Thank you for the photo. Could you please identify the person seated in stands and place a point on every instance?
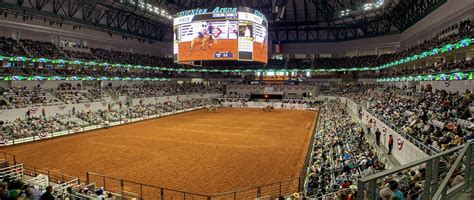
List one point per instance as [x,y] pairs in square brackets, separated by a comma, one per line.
[394,188]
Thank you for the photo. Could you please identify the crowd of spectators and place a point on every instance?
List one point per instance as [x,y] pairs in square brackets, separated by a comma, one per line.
[11,47]
[112,56]
[34,126]
[437,118]
[67,93]
[20,97]
[93,71]
[448,67]
[14,188]
[38,49]
[341,155]
[70,94]
[153,90]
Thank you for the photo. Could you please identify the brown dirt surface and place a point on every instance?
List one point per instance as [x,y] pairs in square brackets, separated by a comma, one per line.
[199,151]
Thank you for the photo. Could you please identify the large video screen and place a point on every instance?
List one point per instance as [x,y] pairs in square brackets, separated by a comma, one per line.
[220,34]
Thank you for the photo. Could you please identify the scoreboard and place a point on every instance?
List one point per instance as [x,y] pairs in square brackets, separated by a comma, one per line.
[220,34]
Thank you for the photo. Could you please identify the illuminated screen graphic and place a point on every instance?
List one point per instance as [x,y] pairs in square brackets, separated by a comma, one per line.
[220,34]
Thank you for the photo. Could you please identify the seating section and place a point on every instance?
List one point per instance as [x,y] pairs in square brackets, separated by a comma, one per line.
[39,49]
[67,93]
[21,97]
[34,126]
[341,155]
[438,119]
[18,182]
[143,91]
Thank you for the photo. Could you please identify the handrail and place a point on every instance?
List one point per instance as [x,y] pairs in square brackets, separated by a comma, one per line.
[309,154]
[442,187]
[142,184]
[367,186]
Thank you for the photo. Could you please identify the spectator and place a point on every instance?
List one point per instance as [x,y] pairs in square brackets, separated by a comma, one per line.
[394,188]
[48,195]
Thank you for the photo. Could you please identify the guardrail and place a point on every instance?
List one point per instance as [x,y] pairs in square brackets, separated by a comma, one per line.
[435,177]
[137,190]
[309,155]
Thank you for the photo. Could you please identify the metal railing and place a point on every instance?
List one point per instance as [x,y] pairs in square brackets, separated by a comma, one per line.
[309,155]
[437,170]
[132,189]
[271,190]
[465,159]
[13,171]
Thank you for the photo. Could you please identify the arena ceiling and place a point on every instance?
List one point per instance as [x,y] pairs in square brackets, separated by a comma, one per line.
[289,20]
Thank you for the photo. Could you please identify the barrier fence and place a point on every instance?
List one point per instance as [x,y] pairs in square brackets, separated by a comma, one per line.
[438,170]
[7,159]
[131,189]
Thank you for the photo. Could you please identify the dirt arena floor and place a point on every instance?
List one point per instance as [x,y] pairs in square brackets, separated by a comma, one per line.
[199,151]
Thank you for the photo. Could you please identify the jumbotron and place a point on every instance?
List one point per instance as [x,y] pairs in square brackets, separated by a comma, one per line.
[230,100]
